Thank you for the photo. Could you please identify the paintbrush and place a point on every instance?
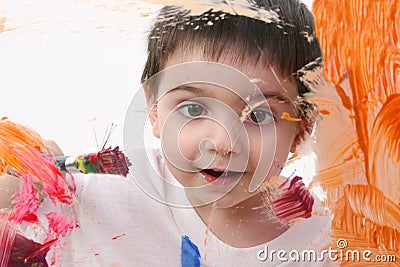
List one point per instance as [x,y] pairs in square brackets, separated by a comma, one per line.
[106,161]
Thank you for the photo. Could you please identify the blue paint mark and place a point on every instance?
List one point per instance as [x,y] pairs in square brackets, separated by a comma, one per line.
[190,254]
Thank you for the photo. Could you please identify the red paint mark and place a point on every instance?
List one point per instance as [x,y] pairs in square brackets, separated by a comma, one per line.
[96,254]
[27,202]
[60,223]
[118,236]
[44,169]
[294,202]
[26,252]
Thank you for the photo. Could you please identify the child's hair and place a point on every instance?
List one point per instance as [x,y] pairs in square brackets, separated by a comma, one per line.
[288,43]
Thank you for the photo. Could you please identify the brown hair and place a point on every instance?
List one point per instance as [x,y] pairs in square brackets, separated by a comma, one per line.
[288,43]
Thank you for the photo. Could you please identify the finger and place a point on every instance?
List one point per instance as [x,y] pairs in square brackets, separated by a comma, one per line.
[8,185]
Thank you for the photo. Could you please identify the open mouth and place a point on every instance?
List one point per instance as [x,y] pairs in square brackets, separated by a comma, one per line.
[226,177]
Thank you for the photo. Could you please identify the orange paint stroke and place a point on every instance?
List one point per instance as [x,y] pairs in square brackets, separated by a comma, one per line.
[360,155]
[145,14]
[286,116]
[13,135]
[324,111]
[385,149]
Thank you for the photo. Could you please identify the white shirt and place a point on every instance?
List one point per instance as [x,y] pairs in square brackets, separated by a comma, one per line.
[120,225]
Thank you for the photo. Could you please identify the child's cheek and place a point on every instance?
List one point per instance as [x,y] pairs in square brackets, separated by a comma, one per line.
[264,161]
[189,139]
[262,145]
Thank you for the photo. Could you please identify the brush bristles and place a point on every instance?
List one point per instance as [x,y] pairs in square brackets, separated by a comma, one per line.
[108,160]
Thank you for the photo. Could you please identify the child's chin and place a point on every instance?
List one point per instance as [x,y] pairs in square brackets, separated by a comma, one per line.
[219,199]
[231,200]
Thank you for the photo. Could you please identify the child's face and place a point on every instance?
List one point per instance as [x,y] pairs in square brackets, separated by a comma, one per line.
[206,131]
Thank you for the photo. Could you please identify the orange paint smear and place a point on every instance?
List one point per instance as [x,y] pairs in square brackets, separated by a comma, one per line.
[286,116]
[324,111]
[360,153]
[13,135]
[385,149]
[2,24]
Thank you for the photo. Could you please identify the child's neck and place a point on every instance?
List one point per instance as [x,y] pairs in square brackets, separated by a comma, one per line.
[241,226]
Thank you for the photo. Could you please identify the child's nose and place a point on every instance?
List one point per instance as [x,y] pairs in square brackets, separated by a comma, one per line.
[222,139]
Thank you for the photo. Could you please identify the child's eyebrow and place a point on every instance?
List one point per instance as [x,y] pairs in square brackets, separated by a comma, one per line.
[190,89]
[201,92]
[278,96]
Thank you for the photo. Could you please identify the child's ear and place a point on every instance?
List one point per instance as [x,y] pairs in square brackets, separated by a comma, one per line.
[153,115]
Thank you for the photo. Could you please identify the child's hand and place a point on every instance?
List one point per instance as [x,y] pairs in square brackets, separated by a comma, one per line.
[8,185]
[52,148]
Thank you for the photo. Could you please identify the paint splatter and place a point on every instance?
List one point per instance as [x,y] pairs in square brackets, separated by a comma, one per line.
[190,254]
[294,202]
[118,236]
[237,7]
[22,153]
[286,116]
[287,203]
[360,161]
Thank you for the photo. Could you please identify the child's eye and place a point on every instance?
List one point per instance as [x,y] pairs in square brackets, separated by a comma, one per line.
[192,110]
[261,116]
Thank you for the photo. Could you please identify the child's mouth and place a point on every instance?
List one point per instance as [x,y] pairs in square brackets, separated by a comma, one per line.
[223,177]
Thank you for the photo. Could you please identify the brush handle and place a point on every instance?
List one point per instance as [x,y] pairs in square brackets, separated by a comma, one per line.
[66,163]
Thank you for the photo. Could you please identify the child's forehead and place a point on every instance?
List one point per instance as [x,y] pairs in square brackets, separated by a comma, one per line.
[248,73]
